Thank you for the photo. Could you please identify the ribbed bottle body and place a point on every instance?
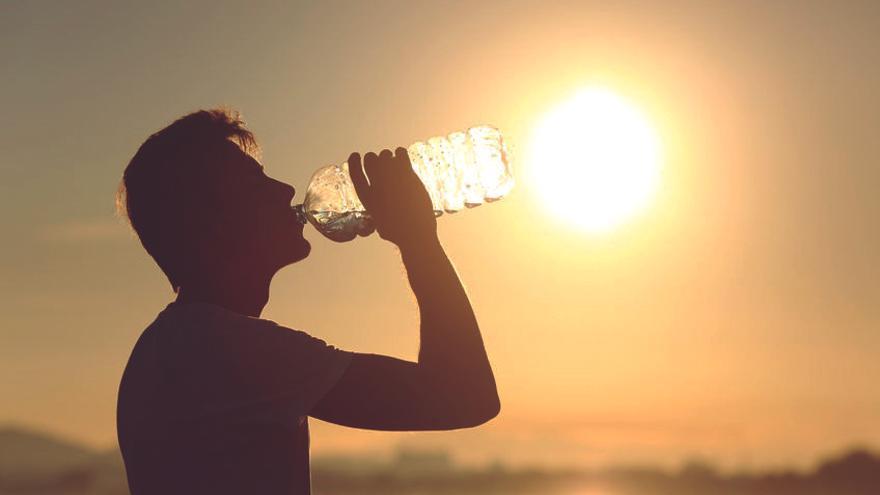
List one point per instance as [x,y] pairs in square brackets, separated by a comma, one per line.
[461,170]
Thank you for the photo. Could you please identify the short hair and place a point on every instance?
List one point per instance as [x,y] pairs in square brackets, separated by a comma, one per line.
[166,177]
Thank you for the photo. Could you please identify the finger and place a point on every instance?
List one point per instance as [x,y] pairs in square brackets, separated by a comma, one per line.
[386,164]
[401,156]
[395,167]
[372,168]
[361,187]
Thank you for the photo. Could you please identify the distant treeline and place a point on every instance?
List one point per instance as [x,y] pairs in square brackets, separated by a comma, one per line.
[854,473]
[37,464]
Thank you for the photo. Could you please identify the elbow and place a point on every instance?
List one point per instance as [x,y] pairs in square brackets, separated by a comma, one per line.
[492,410]
[483,410]
[458,405]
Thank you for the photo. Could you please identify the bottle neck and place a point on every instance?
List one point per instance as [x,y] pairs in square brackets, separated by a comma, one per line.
[300,213]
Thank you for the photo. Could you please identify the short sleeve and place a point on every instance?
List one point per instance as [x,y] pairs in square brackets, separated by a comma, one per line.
[282,364]
[248,366]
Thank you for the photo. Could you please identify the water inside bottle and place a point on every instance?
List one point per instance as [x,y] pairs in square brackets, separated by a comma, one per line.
[342,226]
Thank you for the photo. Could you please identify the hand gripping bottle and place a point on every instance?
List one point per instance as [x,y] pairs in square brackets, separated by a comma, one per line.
[462,170]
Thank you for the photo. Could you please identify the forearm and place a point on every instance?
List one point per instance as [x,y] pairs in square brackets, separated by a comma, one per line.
[451,344]
[452,385]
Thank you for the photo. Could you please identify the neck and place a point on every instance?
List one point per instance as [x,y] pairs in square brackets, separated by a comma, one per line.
[243,293]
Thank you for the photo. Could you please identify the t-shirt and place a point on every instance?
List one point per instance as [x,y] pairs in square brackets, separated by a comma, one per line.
[216,402]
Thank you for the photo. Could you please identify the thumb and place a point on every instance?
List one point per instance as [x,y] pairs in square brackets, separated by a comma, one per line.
[358,179]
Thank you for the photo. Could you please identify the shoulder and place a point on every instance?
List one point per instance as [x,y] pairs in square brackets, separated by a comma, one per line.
[208,325]
[194,318]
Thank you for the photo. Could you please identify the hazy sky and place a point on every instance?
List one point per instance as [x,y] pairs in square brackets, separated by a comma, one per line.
[736,319]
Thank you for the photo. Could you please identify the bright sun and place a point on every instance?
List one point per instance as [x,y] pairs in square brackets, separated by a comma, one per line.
[595,160]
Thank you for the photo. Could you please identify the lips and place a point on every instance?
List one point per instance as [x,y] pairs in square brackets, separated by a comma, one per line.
[296,217]
[299,214]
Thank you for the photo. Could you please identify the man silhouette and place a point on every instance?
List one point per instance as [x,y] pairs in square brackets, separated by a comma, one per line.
[215,400]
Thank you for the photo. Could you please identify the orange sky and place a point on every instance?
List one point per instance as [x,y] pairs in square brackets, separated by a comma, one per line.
[735,319]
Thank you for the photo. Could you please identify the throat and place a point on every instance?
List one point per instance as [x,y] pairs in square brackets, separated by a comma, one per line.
[244,295]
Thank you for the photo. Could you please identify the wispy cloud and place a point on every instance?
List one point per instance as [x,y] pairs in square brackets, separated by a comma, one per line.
[84,231]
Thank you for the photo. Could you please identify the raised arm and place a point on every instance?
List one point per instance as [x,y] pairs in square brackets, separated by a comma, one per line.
[451,385]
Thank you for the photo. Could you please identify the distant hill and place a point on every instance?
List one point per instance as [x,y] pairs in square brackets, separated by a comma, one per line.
[25,452]
[34,462]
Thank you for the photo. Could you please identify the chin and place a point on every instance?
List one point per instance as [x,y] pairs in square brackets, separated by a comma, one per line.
[285,250]
[305,250]
[300,251]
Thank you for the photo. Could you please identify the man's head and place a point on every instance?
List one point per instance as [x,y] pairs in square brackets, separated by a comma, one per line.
[200,203]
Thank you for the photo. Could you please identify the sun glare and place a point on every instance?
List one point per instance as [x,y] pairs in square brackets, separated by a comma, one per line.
[594,160]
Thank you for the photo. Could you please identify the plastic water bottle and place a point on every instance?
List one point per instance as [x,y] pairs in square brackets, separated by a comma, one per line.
[462,170]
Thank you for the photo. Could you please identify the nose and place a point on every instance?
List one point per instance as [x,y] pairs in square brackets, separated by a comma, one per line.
[286,191]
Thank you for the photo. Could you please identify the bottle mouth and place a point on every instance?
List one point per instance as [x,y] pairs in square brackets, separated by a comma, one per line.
[300,212]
